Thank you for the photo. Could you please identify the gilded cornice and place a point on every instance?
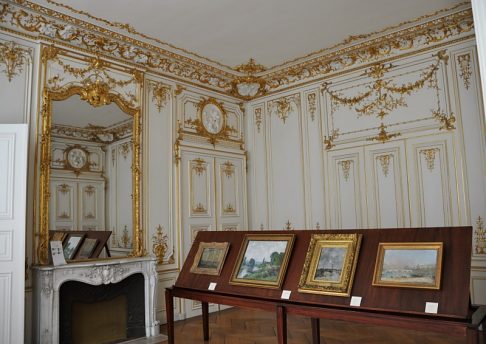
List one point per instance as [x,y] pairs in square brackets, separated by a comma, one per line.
[424,32]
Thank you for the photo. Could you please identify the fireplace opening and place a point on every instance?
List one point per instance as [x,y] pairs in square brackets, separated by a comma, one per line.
[102,314]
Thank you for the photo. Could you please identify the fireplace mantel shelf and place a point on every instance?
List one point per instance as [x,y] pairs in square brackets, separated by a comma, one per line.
[48,280]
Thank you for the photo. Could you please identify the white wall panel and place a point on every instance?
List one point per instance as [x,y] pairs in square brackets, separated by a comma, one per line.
[433,193]
[386,177]
[6,178]
[285,166]
[258,166]
[5,310]
[314,172]
[346,189]
[6,245]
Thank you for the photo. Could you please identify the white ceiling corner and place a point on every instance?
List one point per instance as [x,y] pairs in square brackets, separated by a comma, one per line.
[271,31]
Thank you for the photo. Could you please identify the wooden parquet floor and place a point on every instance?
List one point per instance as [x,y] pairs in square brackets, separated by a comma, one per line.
[242,326]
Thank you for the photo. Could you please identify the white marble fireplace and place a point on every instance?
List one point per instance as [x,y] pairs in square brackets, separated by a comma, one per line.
[49,279]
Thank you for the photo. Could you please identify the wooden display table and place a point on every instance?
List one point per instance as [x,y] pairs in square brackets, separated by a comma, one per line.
[388,306]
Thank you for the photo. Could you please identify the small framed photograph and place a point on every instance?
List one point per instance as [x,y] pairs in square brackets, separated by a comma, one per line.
[71,245]
[87,248]
[409,265]
[330,264]
[262,260]
[210,258]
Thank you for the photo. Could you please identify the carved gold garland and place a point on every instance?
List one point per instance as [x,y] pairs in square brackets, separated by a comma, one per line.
[282,107]
[159,246]
[383,96]
[55,26]
[12,57]
[160,94]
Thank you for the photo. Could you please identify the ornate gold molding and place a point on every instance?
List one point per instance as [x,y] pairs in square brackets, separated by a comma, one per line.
[199,166]
[329,140]
[228,169]
[51,25]
[45,160]
[13,58]
[258,118]
[385,163]
[199,209]
[480,236]
[312,104]
[160,94]
[224,131]
[383,135]
[464,62]
[288,226]
[93,133]
[345,166]
[429,155]
[249,86]
[447,121]
[159,244]
[283,106]
[229,209]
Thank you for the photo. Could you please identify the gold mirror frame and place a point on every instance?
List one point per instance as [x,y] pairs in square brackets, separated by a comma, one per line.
[97,95]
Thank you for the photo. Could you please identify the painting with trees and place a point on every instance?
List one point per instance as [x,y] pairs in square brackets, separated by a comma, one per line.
[262,260]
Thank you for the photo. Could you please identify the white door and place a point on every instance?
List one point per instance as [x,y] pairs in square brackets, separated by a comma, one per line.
[13,181]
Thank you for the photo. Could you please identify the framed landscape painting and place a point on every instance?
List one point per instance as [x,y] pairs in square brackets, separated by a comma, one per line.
[210,258]
[262,260]
[330,264]
[409,265]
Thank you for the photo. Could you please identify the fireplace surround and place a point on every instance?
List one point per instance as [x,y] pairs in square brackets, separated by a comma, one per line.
[48,281]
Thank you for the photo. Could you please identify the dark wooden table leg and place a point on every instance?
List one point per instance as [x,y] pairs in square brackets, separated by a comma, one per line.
[472,336]
[281,325]
[169,311]
[205,316]
[316,331]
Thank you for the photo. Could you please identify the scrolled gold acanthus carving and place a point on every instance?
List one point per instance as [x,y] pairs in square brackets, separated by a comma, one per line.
[429,155]
[199,166]
[283,106]
[228,169]
[312,104]
[12,59]
[229,209]
[345,166]
[385,163]
[160,244]
[383,136]
[258,118]
[160,94]
[199,209]
[480,236]
[329,140]
[464,62]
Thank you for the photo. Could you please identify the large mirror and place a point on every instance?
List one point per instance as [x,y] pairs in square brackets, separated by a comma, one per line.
[90,175]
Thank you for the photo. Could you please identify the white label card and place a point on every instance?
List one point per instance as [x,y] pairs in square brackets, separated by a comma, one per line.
[212,286]
[355,301]
[431,307]
[57,253]
[286,294]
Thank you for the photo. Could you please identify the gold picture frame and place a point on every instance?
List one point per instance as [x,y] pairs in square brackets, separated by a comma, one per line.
[262,260]
[209,258]
[330,264]
[409,265]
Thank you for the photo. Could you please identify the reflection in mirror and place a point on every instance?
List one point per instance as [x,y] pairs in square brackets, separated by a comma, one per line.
[91,173]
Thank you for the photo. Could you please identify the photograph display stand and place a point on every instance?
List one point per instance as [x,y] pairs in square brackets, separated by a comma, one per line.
[101,238]
[380,305]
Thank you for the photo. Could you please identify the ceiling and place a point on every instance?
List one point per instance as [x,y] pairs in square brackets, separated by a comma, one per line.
[229,32]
